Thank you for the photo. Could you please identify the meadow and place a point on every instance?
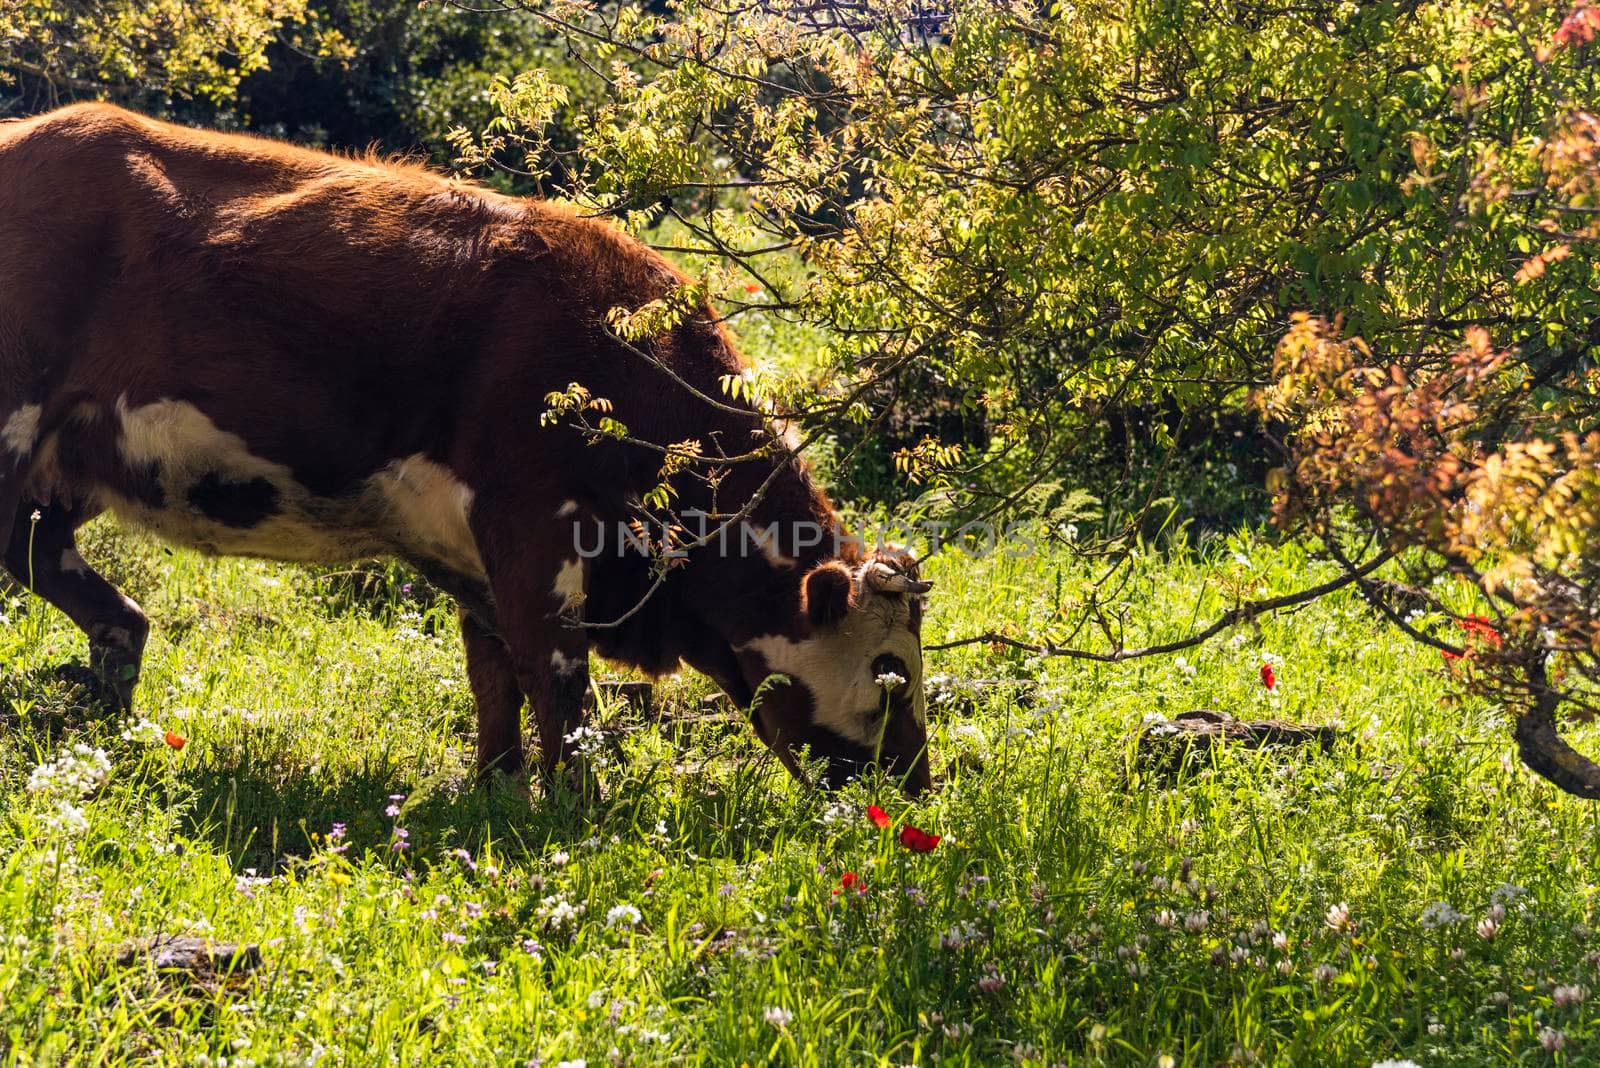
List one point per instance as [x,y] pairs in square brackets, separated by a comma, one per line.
[298,778]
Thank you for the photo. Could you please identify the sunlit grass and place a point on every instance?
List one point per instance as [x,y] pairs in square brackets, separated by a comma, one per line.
[1269,910]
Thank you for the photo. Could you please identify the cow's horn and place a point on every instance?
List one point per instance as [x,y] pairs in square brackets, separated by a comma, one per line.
[885,579]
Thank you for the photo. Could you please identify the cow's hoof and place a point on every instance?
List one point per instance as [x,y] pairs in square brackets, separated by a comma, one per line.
[88,688]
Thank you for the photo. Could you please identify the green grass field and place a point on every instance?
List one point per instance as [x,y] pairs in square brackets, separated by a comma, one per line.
[1267,910]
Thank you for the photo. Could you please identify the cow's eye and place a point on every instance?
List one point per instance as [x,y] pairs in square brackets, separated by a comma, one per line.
[890,665]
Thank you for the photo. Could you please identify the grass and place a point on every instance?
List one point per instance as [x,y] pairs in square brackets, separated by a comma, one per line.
[1073,914]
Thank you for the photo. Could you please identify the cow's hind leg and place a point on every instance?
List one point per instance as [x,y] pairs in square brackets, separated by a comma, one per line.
[43,555]
[499,699]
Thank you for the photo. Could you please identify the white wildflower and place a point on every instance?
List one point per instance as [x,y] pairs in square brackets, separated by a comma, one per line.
[623,915]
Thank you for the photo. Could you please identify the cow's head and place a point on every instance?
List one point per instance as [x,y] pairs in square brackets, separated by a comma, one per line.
[854,671]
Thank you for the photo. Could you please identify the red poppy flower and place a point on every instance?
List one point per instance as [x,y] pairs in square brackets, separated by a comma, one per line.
[1479,627]
[878,816]
[918,840]
[176,740]
[1268,679]
[850,881]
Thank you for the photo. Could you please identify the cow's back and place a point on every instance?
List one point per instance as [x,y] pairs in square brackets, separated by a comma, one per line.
[257,348]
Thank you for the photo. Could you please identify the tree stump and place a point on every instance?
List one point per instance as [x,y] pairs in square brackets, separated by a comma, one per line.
[1164,745]
[200,957]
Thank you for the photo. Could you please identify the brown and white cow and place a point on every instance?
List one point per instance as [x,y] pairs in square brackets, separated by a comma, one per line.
[252,348]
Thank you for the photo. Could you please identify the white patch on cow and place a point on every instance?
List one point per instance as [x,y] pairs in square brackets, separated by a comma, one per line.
[836,665]
[786,432]
[428,509]
[568,587]
[567,508]
[764,540]
[565,665]
[22,429]
[412,508]
[72,563]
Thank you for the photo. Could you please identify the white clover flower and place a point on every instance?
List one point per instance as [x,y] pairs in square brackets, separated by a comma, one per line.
[1280,941]
[1564,996]
[1197,921]
[623,915]
[1552,1040]
[1487,928]
[1324,973]
[1506,894]
[777,1017]
[559,858]
[76,772]
[1338,917]
[1165,918]
[67,818]
[143,730]
[556,912]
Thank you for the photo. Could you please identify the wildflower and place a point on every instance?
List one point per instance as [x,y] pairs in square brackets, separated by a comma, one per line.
[777,1017]
[1479,627]
[991,982]
[1440,914]
[1565,996]
[401,840]
[878,816]
[1487,928]
[1324,973]
[1197,921]
[1268,678]
[918,840]
[889,680]
[623,915]
[1166,1060]
[1395,1064]
[556,912]
[394,805]
[1506,894]
[67,818]
[559,858]
[1338,918]
[1280,941]
[174,740]
[1165,918]
[336,834]
[850,881]
[454,938]
[1552,1040]
[76,772]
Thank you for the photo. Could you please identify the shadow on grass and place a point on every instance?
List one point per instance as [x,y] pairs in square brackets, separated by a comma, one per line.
[261,813]
[261,816]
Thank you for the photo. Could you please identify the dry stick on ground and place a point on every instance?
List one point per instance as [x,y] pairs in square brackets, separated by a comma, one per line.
[1242,613]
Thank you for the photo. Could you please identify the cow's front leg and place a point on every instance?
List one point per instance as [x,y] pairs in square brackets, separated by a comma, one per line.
[538,594]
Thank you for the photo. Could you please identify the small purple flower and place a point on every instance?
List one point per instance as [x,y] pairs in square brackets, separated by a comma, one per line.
[465,858]
[405,590]
[454,938]
[400,840]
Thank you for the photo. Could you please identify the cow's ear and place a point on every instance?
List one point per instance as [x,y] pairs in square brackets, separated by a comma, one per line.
[825,594]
